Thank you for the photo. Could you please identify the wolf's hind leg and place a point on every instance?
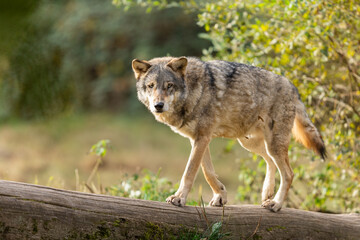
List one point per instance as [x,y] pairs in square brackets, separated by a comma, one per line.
[256,145]
[219,191]
[277,147]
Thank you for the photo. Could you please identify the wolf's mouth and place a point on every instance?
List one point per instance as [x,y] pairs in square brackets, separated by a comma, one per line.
[159,111]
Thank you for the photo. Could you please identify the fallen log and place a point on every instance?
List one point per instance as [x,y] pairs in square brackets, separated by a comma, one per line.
[37,212]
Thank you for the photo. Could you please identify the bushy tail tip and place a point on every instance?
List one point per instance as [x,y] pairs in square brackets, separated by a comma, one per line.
[306,133]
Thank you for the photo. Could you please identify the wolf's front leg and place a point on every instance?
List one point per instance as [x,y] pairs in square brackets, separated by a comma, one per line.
[197,152]
[219,191]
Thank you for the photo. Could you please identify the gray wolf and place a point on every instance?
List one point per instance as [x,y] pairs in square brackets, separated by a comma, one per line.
[204,100]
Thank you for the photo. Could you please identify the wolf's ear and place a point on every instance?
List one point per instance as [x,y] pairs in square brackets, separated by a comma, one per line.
[178,65]
[140,67]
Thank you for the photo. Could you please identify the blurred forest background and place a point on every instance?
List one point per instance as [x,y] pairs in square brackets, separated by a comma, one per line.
[66,82]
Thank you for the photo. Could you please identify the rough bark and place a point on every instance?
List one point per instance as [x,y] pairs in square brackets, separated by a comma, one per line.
[37,212]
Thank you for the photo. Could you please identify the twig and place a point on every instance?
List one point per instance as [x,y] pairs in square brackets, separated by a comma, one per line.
[89,188]
[257,227]
[337,102]
[343,56]
[342,104]
[77,180]
[93,172]
[202,207]
[198,212]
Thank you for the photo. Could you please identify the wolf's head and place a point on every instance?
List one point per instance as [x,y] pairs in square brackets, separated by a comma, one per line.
[161,83]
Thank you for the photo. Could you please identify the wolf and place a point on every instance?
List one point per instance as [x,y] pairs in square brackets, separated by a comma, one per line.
[204,100]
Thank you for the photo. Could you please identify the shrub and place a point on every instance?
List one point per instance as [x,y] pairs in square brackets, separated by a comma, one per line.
[315,44]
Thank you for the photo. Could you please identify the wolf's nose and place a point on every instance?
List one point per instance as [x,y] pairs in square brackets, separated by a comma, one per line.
[159,106]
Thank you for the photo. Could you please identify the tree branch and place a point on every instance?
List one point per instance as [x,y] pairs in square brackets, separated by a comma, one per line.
[38,212]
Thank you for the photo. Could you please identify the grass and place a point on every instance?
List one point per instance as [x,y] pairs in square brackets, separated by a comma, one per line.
[48,153]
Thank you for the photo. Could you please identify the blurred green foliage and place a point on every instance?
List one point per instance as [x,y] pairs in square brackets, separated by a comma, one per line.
[315,44]
[76,54]
[100,148]
[13,20]
[148,186]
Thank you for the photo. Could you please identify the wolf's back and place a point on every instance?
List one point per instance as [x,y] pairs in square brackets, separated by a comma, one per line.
[306,133]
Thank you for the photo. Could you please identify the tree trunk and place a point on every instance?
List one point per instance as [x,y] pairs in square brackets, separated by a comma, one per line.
[37,212]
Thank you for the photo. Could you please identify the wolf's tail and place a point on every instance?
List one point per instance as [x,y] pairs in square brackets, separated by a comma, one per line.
[306,133]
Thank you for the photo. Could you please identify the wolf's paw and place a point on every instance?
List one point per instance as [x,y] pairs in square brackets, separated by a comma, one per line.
[218,200]
[177,201]
[267,194]
[271,205]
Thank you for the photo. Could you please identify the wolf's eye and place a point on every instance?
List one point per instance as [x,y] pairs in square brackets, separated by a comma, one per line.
[151,85]
[170,85]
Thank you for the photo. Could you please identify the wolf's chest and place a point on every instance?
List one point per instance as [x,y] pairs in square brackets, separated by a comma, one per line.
[188,130]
